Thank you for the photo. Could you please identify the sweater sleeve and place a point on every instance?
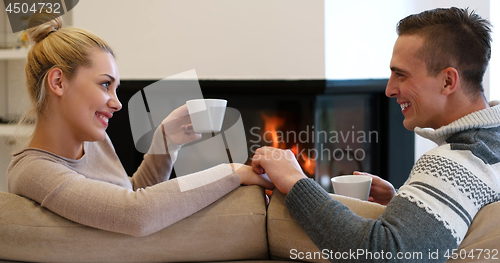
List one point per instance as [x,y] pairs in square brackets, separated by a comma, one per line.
[404,229]
[114,208]
[428,217]
[157,163]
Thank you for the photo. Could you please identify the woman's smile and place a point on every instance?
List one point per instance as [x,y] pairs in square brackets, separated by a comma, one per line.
[103,117]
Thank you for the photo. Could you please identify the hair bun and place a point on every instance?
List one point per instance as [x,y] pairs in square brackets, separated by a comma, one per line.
[40,25]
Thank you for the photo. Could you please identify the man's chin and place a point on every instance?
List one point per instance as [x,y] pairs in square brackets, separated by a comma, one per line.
[409,125]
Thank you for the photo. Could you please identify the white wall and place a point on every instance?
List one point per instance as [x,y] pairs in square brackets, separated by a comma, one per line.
[360,34]
[495,47]
[220,39]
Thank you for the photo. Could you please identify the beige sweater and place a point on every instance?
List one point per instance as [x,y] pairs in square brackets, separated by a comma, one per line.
[96,191]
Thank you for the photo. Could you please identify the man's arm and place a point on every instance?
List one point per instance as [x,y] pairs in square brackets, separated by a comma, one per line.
[431,212]
[403,229]
[381,191]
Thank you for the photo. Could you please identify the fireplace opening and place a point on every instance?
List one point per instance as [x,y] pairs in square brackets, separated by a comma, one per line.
[277,121]
[333,127]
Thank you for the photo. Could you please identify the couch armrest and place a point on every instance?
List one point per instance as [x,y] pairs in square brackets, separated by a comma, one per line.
[232,228]
[483,234]
[284,234]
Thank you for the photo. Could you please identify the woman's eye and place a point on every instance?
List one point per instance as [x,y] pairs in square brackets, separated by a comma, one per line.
[106,84]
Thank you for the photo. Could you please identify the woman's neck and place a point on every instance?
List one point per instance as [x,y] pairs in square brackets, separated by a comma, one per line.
[55,137]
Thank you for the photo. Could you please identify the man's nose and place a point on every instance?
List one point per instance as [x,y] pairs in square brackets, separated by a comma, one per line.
[391,90]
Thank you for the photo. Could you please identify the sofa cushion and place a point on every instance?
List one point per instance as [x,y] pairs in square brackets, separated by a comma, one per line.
[483,235]
[232,228]
[286,238]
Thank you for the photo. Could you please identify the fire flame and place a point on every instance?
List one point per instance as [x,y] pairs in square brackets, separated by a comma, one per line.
[307,164]
[271,126]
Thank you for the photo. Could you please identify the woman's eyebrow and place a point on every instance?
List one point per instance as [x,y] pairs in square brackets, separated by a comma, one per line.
[111,77]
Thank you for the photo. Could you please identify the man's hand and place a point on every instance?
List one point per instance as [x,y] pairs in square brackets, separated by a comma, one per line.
[280,165]
[249,177]
[381,190]
[178,127]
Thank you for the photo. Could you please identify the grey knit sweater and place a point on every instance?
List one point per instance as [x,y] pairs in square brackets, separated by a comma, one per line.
[432,211]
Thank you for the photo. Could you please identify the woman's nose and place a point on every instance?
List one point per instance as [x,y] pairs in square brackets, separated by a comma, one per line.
[114,103]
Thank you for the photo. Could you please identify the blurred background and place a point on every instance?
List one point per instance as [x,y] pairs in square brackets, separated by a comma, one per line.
[286,65]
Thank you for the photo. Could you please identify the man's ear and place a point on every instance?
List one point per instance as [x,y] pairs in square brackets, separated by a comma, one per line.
[55,81]
[450,80]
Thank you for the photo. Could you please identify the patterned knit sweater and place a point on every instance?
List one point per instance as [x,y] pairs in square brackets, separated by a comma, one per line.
[430,213]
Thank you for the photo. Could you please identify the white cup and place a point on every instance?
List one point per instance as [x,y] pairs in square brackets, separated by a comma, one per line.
[357,186]
[206,115]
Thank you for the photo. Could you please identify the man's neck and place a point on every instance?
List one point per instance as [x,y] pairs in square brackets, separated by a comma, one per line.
[458,108]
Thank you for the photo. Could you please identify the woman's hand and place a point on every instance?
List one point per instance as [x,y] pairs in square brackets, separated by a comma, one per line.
[280,165]
[381,190]
[178,127]
[249,177]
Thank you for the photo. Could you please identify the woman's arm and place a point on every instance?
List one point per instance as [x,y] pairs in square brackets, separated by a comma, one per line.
[157,164]
[175,130]
[110,207]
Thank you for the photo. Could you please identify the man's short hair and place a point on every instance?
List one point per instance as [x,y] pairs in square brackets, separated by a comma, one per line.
[453,37]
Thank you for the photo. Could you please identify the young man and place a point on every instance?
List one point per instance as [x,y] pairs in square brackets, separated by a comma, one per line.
[437,66]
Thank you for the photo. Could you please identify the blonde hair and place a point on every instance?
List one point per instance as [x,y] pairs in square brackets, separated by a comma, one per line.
[55,47]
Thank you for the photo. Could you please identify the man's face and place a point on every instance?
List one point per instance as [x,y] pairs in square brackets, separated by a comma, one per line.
[418,93]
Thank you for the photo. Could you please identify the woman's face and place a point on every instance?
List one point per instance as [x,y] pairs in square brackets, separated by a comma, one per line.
[90,97]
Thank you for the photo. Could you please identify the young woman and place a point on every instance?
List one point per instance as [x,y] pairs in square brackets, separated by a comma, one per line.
[70,166]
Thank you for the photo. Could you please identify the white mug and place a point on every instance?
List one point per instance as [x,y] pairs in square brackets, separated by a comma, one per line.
[357,186]
[206,115]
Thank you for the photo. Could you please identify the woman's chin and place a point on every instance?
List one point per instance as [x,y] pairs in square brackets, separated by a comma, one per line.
[100,136]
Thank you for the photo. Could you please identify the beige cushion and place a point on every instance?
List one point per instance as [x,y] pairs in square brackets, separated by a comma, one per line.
[285,234]
[483,234]
[232,228]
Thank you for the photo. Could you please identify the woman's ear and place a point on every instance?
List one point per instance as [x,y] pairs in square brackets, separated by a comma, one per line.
[55,81]
[451,78]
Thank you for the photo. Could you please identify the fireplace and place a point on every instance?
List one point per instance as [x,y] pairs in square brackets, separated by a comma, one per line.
[333,127]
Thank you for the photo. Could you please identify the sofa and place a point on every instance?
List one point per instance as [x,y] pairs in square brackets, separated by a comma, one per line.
[238,227]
